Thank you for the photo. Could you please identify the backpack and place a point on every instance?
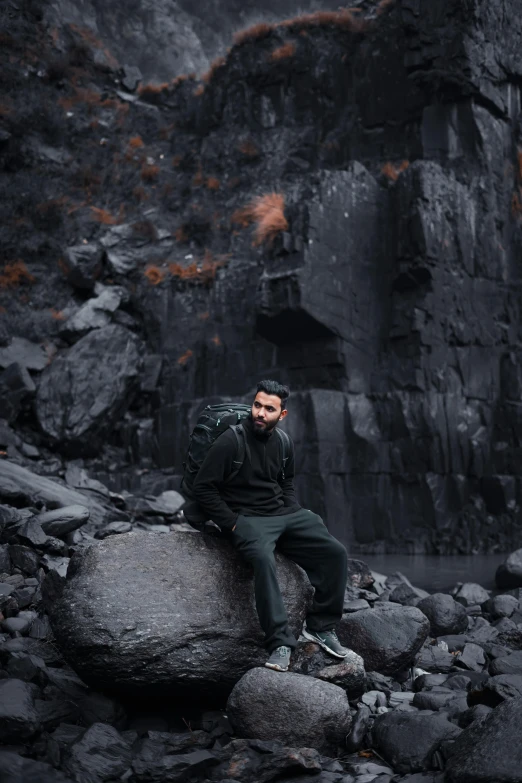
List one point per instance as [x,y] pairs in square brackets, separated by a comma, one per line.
[212,422]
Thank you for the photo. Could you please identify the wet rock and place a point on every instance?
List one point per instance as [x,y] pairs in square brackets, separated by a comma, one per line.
[83,265]
[19,719]
[298,710]
[96,313]
[134,641]
[434,659]
[446,616]
[478,712]
[16,386]
[509,573]
[435,699]
[63,520]
[18,769]
[472,657]
[508,664]
[84,390]
[489,749]
[308,658]
[100,753]
[113,529]
[408,740]
[359,574]
[501,606]
[470,594]
[387,637]
[499,688]
[35,490]
[173,768]
[402,591]
[360,726]
[26,354]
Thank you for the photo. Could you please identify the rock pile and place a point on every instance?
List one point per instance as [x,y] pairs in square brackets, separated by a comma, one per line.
[424,698]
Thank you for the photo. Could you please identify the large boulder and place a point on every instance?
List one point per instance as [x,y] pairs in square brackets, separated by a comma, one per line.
[296,710]
[509,573]
[444,613]
[87,388]
[408,740]
[490,749]
[387,637]
[145,612]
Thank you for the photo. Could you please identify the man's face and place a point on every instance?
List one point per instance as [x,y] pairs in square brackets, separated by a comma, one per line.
[266,412]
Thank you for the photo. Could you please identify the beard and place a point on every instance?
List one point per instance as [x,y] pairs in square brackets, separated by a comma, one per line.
[261,432]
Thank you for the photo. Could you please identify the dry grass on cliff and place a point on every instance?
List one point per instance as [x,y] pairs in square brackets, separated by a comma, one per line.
[215,66]
[268,212]
[248,149]
[14,273]
[254,33]
[342,20]
[383,6]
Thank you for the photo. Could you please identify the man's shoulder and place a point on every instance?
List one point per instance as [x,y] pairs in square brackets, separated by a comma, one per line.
[224,442]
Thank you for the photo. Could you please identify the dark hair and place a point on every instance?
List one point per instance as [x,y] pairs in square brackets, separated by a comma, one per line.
[274,387]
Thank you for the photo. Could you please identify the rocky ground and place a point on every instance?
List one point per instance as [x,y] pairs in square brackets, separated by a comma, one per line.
[431,692]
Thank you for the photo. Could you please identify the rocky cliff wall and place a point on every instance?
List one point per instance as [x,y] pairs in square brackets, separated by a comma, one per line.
[390,302]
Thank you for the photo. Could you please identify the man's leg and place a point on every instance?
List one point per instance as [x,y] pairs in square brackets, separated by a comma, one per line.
[255,539]
[307,542]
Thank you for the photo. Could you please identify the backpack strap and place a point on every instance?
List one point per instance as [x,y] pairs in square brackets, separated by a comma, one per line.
[242,450]
[286,449]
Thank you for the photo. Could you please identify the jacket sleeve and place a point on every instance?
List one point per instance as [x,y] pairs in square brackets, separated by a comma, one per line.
[216,466]
[287,484]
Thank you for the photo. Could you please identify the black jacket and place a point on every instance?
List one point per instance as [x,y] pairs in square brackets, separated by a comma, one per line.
[256,490]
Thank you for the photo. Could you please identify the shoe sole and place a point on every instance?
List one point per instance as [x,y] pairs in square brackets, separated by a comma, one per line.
[276,667]
[323,645]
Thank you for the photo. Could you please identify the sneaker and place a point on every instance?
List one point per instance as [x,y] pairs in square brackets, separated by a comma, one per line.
[279,659]
[328,641]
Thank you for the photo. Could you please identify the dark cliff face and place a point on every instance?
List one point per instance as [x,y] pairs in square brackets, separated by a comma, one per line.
[389,301]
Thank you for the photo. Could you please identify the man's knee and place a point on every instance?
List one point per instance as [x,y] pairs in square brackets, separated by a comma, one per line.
[256,552]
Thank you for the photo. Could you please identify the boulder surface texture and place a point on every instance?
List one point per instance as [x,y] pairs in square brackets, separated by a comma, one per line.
[297,710]
[174,610]
[490,749]
[387,637]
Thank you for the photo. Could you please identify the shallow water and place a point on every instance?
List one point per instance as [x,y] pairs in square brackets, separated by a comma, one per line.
[438,573]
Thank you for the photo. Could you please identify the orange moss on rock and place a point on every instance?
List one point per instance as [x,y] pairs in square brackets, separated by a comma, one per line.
[154,274]
[249,149]
[268,212]
[15,273]
[283,52]
[135,143]
[183,359]
[199,271]
[392,171]
[213,183]
[383,6]
[105,217]
[149,172]
[342,19]
[215,66]
[254,33]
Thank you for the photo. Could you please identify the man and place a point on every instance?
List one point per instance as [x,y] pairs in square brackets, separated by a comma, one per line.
[259,509]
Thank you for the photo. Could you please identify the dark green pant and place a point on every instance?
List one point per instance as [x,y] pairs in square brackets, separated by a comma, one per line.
[304,538]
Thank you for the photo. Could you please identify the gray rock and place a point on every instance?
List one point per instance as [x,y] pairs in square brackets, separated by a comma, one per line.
[470,593]
[16,385]
[509,573]
[472,657]
[490,749]
[83,265]
[408,740]
[308,658]
[63,520]
[387,637]
[114,529]
[446,616]
[501,606]
[101,753]
[86,389]
[499,688]
[35,489]
[26,354]
[19,769]
[509,664]
[18,717]
[131,77]
[116,633]
[96,313]
[300,711]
